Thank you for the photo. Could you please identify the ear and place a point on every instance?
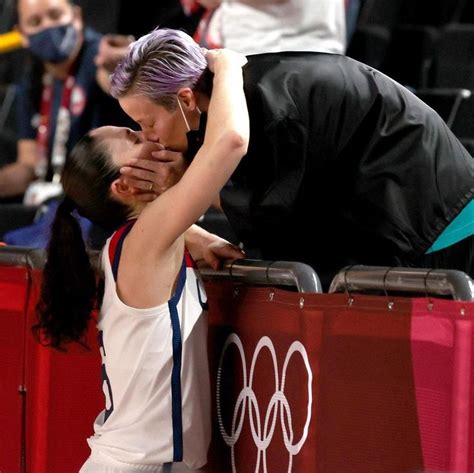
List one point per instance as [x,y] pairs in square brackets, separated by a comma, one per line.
[121,190]
[187,97]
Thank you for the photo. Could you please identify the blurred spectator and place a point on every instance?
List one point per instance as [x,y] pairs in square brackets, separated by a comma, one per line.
[261,26]
[58,98]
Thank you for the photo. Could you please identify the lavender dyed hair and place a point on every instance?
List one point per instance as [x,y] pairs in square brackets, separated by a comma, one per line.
[158,65]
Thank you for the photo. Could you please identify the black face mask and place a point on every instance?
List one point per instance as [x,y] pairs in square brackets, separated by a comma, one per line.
[55,44]
[196,138]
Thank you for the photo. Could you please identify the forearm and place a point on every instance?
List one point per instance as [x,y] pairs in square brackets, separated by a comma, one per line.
[228,106]
[209,248]
[197,239]
[15,178]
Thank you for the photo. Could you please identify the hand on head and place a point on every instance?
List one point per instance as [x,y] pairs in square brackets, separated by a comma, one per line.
[224,57]
[113,48]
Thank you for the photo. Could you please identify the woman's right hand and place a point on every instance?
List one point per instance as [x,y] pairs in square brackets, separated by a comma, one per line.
[153,175]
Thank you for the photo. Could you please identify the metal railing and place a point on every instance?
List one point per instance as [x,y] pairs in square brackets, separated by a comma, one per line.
[441,282]
[269,273]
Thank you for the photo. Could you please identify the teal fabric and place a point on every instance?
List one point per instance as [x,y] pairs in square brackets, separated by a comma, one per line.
[461,227]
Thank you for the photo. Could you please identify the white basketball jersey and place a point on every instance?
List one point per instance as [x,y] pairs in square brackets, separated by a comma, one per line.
[155,375]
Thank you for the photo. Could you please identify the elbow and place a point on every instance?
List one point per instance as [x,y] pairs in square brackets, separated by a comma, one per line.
[237,142]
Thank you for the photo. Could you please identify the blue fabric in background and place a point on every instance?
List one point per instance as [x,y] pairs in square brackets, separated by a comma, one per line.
[37,234]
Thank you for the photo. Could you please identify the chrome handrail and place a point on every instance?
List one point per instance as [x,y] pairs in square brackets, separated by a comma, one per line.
[22,257]
[444,282]
[269,273]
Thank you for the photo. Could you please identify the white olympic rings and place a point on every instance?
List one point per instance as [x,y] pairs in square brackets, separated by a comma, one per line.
[262,439]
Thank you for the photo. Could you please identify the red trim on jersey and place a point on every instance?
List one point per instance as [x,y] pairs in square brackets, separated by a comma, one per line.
[190,263]
[116,238]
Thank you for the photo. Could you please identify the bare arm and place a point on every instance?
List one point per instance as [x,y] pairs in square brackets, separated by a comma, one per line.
[15,177]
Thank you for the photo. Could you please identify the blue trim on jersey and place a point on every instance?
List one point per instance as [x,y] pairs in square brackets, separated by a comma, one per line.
[105,377]
[176,403]
[118,251]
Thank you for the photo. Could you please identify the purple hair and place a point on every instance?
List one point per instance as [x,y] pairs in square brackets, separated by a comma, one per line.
[158,65]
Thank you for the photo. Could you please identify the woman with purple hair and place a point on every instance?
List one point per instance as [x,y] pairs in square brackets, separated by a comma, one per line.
[344,165]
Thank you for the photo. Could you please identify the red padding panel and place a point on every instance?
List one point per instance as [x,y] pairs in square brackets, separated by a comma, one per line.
[14,285]
[64,396]
[267,353]
[391,386]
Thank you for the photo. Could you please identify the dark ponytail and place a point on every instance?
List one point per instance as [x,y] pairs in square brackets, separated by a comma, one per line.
[69,286]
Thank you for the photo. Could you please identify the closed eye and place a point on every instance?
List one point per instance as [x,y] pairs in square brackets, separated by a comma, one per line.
[133,137]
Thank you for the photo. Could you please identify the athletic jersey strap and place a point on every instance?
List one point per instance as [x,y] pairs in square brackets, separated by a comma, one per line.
[115,246]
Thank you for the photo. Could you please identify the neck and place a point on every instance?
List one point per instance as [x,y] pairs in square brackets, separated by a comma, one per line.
[137,209]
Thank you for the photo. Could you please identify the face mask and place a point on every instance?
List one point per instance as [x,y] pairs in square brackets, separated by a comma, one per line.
[55,44]
[195,137]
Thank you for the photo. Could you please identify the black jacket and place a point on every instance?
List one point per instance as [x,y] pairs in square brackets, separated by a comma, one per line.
[344,166]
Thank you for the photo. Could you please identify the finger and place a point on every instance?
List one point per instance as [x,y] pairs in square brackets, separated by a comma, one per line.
[213,261]
[140,184]
[231,252]
[146,165]
[137,174]
[146,196]
[165,155]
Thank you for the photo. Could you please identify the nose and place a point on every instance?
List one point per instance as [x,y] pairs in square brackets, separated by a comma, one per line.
[150,134]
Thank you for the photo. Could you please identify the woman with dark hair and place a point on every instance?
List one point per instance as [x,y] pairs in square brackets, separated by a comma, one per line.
[152,324]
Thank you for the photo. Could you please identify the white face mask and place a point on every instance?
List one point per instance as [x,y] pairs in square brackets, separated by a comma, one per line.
[195,138]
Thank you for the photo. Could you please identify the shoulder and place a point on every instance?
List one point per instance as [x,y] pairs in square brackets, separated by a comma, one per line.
[299,73]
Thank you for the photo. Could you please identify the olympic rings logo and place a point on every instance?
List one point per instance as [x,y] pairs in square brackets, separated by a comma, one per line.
[263,434]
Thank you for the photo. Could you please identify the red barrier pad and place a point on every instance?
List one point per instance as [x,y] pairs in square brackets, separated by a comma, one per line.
[390,383]
[368,418]
[14,284]
[64,396]
[265,379]
[442,338]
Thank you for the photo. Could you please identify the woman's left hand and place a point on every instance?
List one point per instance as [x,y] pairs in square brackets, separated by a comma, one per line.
[225,57]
